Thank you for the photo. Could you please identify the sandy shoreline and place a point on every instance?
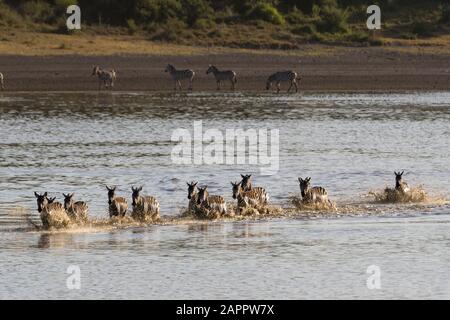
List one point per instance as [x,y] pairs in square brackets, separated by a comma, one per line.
[354,69]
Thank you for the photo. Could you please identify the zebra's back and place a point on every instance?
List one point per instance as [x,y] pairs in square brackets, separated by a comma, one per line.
[182,74]
[284,76]
[78,211]
[317,194]
[118,207]
[146,206]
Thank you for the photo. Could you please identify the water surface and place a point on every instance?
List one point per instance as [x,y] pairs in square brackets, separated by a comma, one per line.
[349,143]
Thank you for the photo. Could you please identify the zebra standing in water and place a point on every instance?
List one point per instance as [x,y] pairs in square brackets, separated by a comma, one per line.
[178,75]
[104,77]
[283,76]
[312,194]
[2,83]
[222,76]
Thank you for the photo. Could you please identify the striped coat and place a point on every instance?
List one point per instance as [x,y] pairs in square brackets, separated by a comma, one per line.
[213,203]
[105,78]
[145,206]
[283,76]
[253,198]
[314,194]
[178,75]
[118,206]
[2,82]
[227,75]
[77,211]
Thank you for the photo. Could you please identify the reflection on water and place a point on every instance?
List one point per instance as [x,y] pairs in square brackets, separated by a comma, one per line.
[349,143]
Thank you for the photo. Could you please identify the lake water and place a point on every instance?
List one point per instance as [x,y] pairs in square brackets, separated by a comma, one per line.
[348,143]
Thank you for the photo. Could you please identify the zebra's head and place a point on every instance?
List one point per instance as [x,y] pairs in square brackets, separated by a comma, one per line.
[202,195]
[245,182]
[236,189]
[398,177]
[169,68]
[135,194]
[42,201]
[304,185]
[95,70]
[191,189]
[68,200]
[211,68]
[111,194]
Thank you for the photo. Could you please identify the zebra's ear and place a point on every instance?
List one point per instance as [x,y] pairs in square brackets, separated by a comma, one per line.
[45,194]
[36,194]
[64,195]
[140,188]
[402,173]
[300,179]
[242,176]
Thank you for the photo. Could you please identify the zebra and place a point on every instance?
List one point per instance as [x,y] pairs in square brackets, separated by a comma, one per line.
[178,75]
[144,205]
[77,211]
[283,76]
[2,82]
[246,185]
[118,206]
[314,194]
[192,196]
[106,78]
[400,185]
[251,198]
[222,76]
[52,213]
[216,204]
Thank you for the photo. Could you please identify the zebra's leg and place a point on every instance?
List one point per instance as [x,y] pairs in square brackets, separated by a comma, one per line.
[289,89]
[278,87]
[190,83]
[218,84]
[179,85]
[233,81]
[295,85]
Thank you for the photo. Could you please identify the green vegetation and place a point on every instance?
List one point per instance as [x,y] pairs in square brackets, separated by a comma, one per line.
[275,24]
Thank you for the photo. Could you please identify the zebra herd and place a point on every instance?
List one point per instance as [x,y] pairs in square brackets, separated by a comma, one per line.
[201,204]
[106,78]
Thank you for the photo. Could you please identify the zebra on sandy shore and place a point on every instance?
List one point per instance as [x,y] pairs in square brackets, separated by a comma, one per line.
[178,75]
[2,82]
[283,76]
[227,75]
[105,78]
